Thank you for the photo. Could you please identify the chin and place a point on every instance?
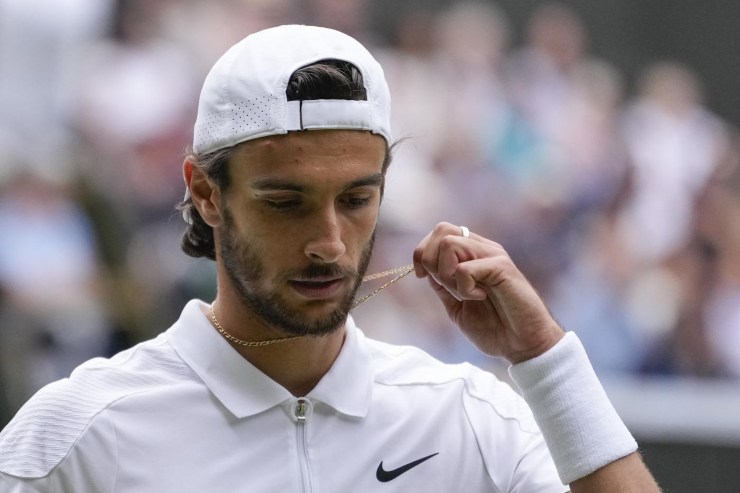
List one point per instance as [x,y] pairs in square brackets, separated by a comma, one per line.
[323,323]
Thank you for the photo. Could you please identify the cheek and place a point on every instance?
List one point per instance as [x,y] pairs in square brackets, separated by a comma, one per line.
[361,233]
[253,236]
[368,230]
[281,245]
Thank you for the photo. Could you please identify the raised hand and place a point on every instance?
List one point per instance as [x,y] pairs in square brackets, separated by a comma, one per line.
[485,294]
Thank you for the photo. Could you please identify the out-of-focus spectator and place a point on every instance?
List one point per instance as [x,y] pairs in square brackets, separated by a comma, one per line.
[563,165]
[53,315]
[135,108]
[681,345]
[559,146]
[719,215]
[540,85]
[136,96]
[41,43]
[588,295]
[674,145]
[468,82]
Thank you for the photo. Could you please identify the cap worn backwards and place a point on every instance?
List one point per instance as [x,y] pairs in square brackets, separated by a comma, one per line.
[244,94]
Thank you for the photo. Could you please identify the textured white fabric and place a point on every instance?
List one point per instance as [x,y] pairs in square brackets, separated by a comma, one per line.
[185,413]
[243,96]
[580,425]
[50,423]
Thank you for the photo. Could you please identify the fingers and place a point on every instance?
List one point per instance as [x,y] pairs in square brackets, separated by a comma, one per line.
[469,277]
[449,302]
[446,256]
[427,253]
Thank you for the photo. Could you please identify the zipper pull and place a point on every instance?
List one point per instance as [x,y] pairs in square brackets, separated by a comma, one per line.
[302,408]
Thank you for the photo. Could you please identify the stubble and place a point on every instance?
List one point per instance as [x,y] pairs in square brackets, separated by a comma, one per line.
[246,274]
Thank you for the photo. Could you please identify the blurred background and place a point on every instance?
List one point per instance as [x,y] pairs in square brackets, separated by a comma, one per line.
[595,139]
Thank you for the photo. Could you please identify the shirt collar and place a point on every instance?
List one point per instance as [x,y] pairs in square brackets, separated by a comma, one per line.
[246,391]
[347,386]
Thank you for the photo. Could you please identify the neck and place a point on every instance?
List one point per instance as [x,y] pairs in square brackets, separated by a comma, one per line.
[297,364]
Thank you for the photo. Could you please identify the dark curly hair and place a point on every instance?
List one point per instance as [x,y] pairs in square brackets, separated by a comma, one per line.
[325,79]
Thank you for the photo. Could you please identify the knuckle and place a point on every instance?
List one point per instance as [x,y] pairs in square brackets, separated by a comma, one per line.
[443,228]
[446,241]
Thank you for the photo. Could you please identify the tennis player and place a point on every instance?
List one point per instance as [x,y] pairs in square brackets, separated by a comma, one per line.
[271,387]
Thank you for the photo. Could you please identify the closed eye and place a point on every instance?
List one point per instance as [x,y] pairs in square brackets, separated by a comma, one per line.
[283,204]
[356,200]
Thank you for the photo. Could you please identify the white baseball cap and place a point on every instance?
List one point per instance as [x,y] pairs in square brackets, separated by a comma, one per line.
[243,97]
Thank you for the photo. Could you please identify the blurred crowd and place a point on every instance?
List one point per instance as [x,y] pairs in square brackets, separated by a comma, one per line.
[621,204]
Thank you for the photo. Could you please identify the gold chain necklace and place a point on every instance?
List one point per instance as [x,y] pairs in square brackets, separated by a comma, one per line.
[242,342]
[402,271]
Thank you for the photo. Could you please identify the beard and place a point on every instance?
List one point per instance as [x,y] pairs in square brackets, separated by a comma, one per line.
[246,274]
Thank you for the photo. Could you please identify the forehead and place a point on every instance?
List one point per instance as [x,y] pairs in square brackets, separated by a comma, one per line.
[309,153]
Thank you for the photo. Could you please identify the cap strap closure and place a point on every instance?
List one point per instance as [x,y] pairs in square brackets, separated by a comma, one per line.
[330,114]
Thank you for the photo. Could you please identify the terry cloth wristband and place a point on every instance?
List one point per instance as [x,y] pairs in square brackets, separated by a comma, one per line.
[580,426]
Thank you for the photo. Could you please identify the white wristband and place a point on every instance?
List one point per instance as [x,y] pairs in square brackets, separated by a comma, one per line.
[579,424]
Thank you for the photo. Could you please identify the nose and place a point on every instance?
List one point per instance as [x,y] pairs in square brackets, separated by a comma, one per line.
[325,244]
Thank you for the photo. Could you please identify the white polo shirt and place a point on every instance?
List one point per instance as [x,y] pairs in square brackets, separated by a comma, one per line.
[184,412]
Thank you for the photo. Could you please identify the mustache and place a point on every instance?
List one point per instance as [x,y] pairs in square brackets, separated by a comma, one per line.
[323,270]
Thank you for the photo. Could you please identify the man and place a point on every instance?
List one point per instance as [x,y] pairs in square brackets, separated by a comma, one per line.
[272,387]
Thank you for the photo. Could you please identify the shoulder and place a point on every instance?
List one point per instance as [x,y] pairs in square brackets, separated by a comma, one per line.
[481,393]
[49,425]
[409,365]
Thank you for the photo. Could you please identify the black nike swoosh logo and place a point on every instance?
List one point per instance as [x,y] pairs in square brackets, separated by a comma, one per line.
[385,476]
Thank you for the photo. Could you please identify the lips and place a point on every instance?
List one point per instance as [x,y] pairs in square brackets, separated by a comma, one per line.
[317,289]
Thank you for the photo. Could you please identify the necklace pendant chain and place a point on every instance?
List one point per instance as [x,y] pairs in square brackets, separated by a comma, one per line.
[242,342]
[405,269]
[401,271]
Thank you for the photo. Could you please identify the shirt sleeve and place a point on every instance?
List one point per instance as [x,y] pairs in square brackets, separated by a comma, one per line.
[89,466]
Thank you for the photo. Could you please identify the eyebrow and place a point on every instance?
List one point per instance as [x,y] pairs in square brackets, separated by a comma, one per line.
[267,184]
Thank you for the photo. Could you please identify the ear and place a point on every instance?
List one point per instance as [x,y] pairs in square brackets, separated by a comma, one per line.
[205,194]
